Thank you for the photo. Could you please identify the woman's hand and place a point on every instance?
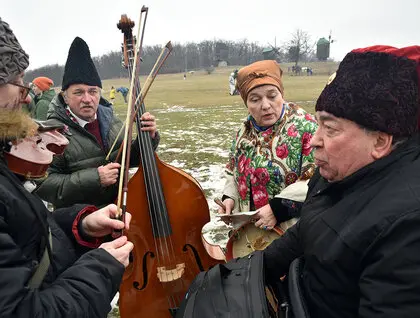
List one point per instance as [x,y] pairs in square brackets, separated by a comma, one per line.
[102,222]
[148,123]
[229,204]
[265,218]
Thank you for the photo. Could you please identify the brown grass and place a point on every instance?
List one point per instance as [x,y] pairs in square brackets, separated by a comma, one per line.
[201,89]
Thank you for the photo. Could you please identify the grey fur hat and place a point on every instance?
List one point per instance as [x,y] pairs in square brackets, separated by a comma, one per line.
[13,59]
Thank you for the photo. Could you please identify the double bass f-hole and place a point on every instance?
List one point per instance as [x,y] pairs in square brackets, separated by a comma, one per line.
[196,256]
[136,284]
[173,275]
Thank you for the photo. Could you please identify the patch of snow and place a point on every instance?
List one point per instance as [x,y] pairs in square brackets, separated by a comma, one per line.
[176,150]
[221,152]
[177,164]
[177,108]
[115,300]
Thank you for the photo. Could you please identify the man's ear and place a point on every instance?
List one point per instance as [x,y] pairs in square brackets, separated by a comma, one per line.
[64,95]
[382,146]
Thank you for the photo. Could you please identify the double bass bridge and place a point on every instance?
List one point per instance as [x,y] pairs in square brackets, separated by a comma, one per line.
[168,275]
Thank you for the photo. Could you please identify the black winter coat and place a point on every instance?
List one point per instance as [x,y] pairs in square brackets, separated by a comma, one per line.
[80,282]
[360,239]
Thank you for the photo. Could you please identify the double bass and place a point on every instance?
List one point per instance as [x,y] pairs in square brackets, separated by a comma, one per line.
[168,210]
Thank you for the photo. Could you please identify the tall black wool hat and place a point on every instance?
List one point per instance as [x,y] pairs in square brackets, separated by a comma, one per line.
[79,68]
[378,88]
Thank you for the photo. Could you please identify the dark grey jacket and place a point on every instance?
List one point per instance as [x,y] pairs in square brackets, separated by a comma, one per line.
[73,177]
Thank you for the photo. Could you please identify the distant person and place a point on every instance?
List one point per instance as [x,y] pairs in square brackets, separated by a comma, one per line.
[232,83]
[309,71]
[44,93]
[270,151]
[112,95]
[124,92]
[82,174]
[185,76]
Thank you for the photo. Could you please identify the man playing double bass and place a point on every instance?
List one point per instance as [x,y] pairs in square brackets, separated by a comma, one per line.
[82,174]
[51,264]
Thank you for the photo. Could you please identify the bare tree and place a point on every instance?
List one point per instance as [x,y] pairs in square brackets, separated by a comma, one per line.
[299,47]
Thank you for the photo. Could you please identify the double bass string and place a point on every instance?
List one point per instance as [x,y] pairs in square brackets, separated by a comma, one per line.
[139,111]
[154,191]
[156,205]
[154,186]
[159,209]
[162,210]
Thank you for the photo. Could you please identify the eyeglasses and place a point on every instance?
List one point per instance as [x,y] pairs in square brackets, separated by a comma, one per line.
[25,89]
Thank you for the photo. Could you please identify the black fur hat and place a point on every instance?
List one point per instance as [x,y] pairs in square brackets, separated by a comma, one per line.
[378,88]
[79,68]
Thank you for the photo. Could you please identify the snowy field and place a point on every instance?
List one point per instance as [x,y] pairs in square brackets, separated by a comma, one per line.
[197,140]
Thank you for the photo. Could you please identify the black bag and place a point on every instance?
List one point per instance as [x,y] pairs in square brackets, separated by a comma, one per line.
[235,290]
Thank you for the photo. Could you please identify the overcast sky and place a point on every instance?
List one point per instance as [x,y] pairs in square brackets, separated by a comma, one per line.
[46,28]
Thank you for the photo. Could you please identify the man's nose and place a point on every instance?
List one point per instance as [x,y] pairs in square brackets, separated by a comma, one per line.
[86,98]
[316,140]
[27,99]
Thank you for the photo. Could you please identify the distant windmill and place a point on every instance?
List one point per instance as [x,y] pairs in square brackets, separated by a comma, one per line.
[276,50]
[323,48]
[329,38]
[272,52]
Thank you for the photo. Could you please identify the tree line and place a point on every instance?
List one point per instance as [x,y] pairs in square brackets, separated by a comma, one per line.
[193,56]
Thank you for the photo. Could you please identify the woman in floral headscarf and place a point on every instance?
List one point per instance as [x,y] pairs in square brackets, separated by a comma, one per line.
[271,149]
